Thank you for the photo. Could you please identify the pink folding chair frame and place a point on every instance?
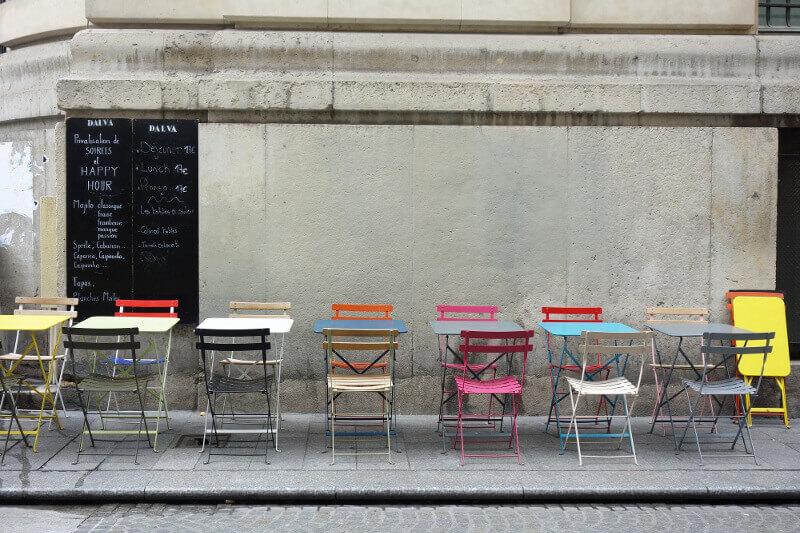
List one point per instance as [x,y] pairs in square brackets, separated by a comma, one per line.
[446,394]
[509,386]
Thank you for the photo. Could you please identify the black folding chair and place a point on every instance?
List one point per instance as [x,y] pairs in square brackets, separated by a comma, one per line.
[95,377]
[219,383]
[723,359]
[7,381]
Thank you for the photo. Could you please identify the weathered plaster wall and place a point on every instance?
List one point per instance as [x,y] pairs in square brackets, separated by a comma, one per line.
[520,217]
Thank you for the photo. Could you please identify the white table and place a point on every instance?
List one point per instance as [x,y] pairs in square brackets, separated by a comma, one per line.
[277,324]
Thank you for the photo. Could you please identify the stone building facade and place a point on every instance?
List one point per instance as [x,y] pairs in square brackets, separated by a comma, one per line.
[621,153]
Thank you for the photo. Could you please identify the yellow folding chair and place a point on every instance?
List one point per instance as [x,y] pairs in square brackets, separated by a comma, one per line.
[761,315]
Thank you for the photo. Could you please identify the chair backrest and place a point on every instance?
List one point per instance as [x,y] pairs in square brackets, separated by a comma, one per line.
[105,343]
[490,310]
[231,341]
[761,314]
[766,293]
[507,343]
[237,307]
[382,312]
[749,350]
[677,315]
[37,305]
[171,305]
[613,352]
[380,341]
[579,314]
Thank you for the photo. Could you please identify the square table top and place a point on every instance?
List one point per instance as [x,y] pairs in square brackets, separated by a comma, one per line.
[574,329]
[455,327]
[30,322]
[328,323]
[275,324]
[146,324]
[688,329]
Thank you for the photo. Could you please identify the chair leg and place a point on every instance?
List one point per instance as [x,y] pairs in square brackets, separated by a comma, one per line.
[389,430]
[628,410]
[572,421]
[460,425]
[269,430]
[516,400]
[782,386]
[332,419]
[212,404]
[577,429]
[692,409]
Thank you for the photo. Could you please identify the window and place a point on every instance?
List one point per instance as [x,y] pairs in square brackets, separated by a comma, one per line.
[779,15]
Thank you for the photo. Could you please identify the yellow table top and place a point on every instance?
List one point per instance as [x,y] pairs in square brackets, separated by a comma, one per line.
[30,322]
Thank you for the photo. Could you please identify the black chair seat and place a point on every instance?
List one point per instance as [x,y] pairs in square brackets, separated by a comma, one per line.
[100,383]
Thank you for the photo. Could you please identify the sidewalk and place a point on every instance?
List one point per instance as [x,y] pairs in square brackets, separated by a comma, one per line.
[302,473]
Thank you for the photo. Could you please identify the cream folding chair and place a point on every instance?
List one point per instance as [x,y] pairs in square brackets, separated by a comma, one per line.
[245,366]
[32,305]
[614,351]
[671,315]
[370,341]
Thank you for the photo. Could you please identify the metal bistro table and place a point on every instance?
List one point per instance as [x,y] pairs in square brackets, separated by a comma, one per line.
[444,329]
[33,324]
[682,331]
[567,330]
[276,324]
[146,325]
[327,323]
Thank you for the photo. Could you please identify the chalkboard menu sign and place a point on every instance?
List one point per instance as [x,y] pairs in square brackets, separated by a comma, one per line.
[132,227]
[165,234]
[98,213]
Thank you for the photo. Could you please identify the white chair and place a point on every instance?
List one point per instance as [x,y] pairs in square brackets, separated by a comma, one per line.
[621,353]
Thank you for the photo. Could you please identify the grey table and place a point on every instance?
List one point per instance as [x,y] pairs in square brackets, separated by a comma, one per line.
[680,330]
[444,329]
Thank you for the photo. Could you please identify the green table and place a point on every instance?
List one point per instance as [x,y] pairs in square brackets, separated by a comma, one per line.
[147,325]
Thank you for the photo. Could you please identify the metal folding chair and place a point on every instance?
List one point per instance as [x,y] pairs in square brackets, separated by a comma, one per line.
[33,305]
[508,387]
[454,313]
[671,315]
[219,383]
[93,377]
[154,309]
[613,351]
[7,381]
[245,366]
[372,341]
[750,349]
[557,368]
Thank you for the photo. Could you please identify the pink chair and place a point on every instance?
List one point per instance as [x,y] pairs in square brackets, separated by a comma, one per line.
[509,344]
[446,314]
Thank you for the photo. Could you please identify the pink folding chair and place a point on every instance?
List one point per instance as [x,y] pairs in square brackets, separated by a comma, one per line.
[510,386]
[455,313]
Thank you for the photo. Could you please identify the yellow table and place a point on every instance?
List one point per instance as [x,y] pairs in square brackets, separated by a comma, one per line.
[34,324]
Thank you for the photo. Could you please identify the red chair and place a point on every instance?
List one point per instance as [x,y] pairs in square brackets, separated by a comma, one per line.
[510,386]
[454,313]
[147,304]
[570,314]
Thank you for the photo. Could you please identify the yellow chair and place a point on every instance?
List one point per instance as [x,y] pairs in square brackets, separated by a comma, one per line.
[764,314]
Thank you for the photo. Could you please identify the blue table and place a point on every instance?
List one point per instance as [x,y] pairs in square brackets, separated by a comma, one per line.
[567,330]
[327,323]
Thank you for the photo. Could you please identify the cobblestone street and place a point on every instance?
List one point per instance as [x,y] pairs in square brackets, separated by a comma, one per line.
[243,518]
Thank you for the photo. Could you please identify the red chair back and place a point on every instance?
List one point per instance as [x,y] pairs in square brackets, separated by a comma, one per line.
[490,310]
[338,309]
[508,342]
[768,293]
[147,304]
[586,314]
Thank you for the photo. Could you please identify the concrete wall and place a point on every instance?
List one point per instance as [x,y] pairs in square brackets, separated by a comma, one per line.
[519,217]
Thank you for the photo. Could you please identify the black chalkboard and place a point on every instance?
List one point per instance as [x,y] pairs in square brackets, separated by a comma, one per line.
[98,213]
[165,224]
